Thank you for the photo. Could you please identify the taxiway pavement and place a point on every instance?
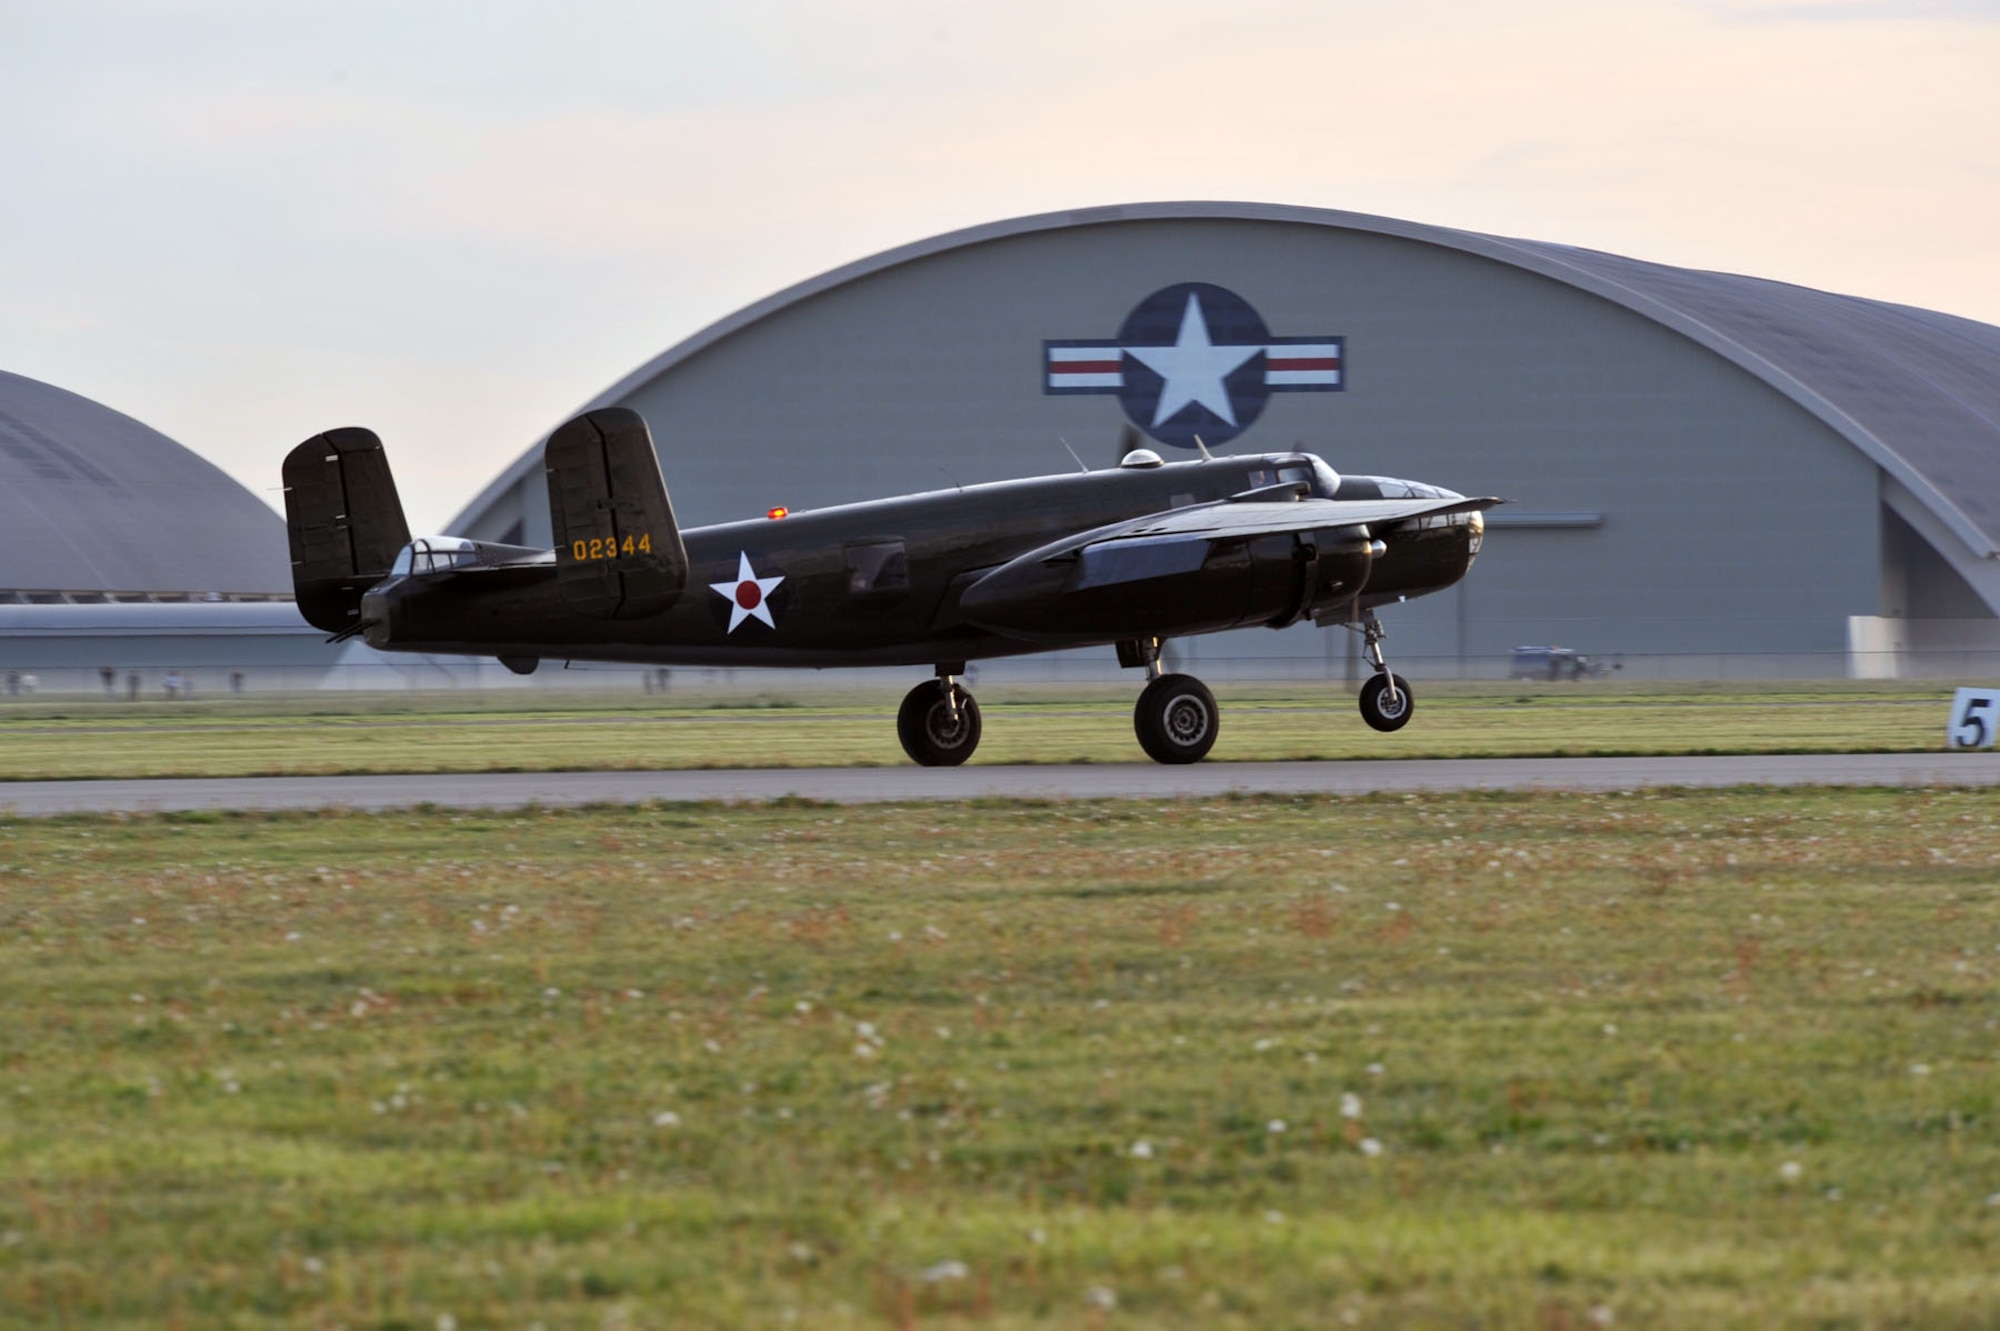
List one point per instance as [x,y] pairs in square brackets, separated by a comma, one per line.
[862,785]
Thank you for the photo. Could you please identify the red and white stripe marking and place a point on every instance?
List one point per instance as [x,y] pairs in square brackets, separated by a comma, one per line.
[1302,365]
[1086,367]
[1291,365]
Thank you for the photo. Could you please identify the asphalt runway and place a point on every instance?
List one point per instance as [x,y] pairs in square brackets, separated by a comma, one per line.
[863,785]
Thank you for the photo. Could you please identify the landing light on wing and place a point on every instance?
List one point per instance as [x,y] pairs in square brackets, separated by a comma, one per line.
[775,513]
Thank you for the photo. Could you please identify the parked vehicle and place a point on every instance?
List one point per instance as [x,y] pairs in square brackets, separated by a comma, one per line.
[1552,663]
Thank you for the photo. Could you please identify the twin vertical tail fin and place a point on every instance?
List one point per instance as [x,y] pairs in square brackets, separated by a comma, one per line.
[345,523]
[619,553]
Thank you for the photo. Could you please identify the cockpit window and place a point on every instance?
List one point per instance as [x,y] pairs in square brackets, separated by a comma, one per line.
[1320,480]
[435,554]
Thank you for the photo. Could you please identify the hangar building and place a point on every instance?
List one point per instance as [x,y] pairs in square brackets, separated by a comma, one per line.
[1709,474]
[120,548]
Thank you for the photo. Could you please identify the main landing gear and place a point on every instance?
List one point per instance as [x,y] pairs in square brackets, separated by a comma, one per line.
[1176,717]
[1386,703]
[938,721]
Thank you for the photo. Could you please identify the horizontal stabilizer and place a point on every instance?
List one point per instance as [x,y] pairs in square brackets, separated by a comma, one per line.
[619,553]
[344,521]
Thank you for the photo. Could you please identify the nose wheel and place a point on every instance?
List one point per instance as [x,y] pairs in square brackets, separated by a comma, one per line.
[1385,700]
[938,723]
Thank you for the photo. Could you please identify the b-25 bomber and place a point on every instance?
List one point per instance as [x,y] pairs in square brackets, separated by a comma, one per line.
[1130,557]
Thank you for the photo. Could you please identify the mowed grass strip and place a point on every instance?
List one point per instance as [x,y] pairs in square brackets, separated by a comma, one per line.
[1023,724]
[1665,1059]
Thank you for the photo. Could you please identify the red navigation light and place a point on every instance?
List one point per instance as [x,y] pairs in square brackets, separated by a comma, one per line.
[778,512]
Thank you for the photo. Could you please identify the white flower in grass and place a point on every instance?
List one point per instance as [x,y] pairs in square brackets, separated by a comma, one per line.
[949,1269]
[1370,1147]
[1790,1171]
[666,1118]
[1276,1126]
[1100,1297]
[1350,1105]
[1142,1150]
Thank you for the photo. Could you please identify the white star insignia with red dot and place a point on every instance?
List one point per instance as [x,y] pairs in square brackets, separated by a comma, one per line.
[748,596]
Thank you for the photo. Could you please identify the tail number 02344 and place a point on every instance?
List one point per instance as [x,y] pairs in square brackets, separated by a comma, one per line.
[1975,719]
[610,547]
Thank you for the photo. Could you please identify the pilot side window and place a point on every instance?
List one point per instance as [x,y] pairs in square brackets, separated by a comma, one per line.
[877,567]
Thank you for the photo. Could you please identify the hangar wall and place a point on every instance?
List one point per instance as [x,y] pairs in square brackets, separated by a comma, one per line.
[1665,501]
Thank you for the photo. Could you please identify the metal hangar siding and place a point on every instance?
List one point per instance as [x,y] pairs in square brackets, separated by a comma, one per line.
[1700,464]
[94,502]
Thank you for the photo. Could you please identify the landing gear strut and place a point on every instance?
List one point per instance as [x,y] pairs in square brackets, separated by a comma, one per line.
[938,722]
[1385,700]
[1176,718]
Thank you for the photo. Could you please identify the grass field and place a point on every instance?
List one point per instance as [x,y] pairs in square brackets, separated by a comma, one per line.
[1666,1059]
[1023,723]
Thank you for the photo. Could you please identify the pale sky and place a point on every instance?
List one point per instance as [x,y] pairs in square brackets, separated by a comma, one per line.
[455,221]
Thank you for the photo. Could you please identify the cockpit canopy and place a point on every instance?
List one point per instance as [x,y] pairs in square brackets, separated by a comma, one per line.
[1322,481]
[446,554]
[435,554]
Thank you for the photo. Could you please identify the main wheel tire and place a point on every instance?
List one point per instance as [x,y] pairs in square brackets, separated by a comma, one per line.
[930,734]
[1176,719]
[1384,707]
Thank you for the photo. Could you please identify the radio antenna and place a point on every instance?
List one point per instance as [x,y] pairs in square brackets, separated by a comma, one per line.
[1072,453]
[1206,456]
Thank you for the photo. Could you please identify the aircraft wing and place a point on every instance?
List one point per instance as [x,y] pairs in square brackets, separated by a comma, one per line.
[1133,577]
[1256,518]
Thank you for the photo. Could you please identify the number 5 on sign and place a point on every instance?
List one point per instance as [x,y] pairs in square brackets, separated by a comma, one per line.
[1975,719]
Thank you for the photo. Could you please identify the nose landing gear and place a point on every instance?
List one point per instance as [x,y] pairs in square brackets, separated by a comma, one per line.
[938,722]
[1385,700]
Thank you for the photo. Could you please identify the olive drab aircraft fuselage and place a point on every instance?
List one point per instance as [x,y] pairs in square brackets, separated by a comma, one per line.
[1129,557]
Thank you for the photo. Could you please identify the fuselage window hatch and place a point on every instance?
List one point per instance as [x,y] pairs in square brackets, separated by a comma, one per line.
[877,568]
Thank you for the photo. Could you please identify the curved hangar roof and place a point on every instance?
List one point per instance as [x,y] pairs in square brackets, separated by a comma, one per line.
[1916,391]
[93,501]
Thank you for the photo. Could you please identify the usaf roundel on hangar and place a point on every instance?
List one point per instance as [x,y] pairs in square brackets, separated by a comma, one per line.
[1193,359]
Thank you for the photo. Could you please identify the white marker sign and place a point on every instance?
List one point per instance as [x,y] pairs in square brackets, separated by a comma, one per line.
[1975,719]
